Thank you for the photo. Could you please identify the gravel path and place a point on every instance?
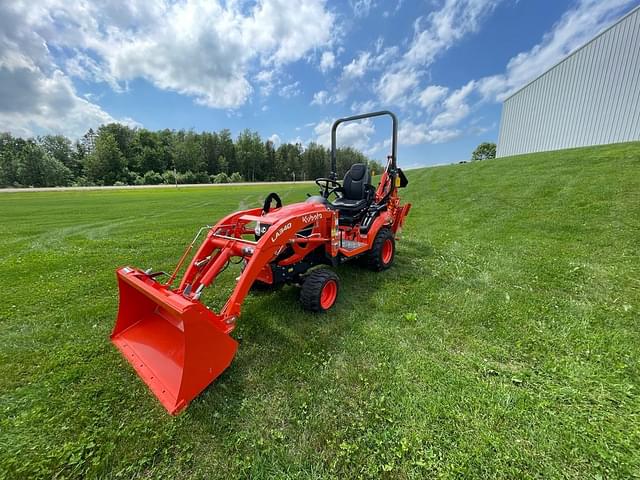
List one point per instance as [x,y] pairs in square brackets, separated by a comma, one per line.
[128,187]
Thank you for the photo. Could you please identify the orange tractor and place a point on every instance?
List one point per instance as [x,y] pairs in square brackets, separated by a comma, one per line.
[179,346]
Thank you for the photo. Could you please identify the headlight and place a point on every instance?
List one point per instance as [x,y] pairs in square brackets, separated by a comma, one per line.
[261,229]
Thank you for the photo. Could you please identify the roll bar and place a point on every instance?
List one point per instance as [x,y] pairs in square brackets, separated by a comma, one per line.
[394,137]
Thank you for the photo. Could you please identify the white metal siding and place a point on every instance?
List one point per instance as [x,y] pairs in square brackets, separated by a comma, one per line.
[590,98]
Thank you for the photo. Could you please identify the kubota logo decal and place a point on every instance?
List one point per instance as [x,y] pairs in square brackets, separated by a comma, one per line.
[312,218]
[280,231]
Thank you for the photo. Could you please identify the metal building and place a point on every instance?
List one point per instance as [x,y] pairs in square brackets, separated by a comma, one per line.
[592,97]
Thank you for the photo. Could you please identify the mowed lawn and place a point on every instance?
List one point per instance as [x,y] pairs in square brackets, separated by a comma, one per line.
[504,342]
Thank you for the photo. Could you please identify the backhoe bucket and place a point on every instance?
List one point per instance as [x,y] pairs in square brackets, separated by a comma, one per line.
[176,345]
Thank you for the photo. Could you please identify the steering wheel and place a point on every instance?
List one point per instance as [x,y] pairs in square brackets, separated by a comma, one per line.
[267,202]
[324,183]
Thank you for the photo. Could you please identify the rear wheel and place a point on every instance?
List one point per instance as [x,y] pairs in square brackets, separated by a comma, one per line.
[383,250]
[320,290]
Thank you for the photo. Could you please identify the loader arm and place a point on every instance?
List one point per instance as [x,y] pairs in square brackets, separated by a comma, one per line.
[175,342]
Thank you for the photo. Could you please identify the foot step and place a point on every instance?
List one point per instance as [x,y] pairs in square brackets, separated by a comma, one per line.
[350,245]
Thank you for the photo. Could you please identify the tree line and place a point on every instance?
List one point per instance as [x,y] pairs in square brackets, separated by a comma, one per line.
[117,154]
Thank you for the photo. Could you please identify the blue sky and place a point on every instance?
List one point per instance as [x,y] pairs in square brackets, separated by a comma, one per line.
[286,68]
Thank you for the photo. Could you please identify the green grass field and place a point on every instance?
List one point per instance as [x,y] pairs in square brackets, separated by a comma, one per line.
[503,343]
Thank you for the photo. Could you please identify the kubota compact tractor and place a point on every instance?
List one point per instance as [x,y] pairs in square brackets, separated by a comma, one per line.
[178,345]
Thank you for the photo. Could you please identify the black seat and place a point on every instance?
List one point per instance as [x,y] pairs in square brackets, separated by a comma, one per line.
[356,191]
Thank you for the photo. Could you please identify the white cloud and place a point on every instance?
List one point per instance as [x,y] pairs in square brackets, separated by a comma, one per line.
[86,68]
[290,90]
[361,8]
[358,66]
[36,95]
[433,35]
[351,76]
[431,95]
[189,53]
[446,26]
[575,28]
[202,48]
[327,61]
[267,81]
[275,139]
[320,98]
[456,107]
[384,57]
[411,133]
[353,134]
[363,107]
[393,87]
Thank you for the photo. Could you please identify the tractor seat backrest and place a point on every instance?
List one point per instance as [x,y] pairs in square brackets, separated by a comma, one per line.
[355,181]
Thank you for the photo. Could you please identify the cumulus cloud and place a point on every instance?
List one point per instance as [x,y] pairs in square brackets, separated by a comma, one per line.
[189,53]
[363,107]
[393,86]
[575,28]
[290,90]
[433,35]
[327,61]
[456,107]
[275,139]
[320,98]
[357,68]
[205,49]
[352,134]
[411,133]
[36,96]
[431,95]
[444,27]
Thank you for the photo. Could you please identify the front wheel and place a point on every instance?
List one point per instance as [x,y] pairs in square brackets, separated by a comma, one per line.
[383,251]
[319,290]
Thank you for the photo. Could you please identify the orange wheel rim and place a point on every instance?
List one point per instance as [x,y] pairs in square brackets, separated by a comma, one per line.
[387,251]
[328,294]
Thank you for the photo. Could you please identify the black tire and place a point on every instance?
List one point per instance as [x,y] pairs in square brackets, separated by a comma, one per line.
[311,293]
[378,258]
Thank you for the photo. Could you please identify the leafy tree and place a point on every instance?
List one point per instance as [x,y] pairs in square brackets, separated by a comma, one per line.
[250,155]
[211,151]
[223,165]
[118,153]
[316,161]
[484,151]
[123,136]
[106,164]
[235,178]
[188,153]
[60,148]
[9,149]
[288,161]
[152,178]
[221,178]
[270,164]
[187,177]
[227,149]
[36,168]
[146,151]
[78,156]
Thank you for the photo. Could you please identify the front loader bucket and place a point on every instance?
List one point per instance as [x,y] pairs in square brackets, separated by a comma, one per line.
[175,344]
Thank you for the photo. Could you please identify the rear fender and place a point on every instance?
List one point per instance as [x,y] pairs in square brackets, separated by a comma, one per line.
[383,220]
